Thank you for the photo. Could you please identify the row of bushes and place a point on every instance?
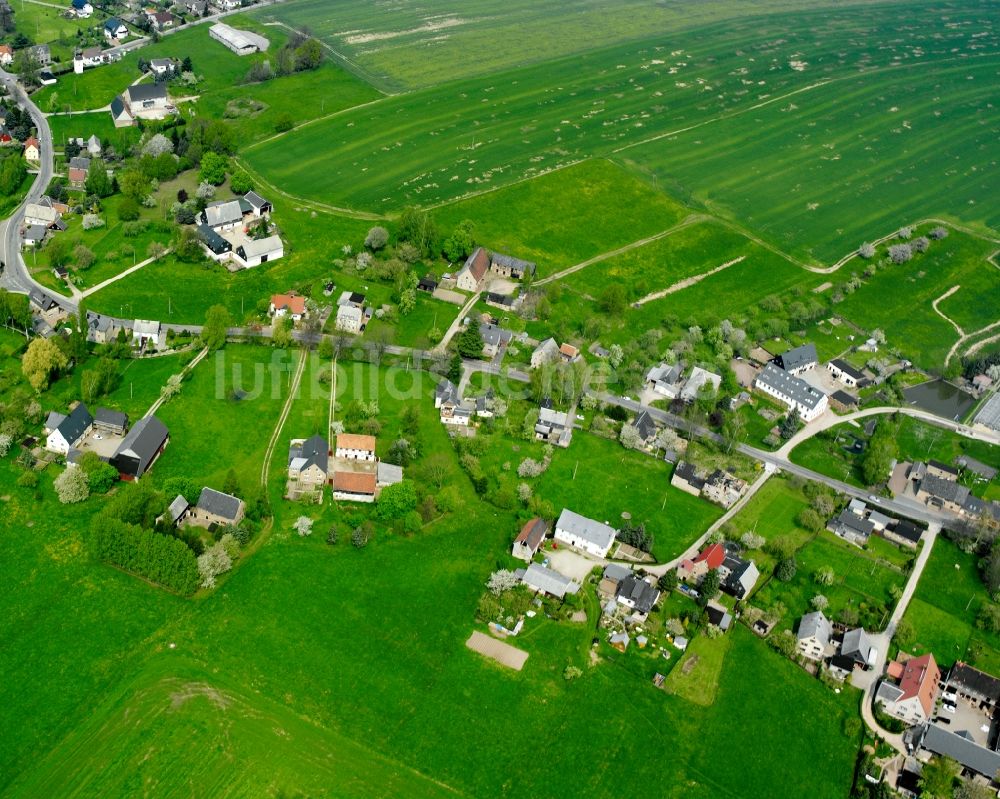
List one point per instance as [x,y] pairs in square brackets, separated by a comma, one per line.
[164,560]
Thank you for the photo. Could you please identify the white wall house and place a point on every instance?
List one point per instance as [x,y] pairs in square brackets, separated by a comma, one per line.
[796,394]
[814,635]
[355,447]
[594,538]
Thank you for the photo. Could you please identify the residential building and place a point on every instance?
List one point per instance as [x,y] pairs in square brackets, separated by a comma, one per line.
[354,486]
[699,381]
[38,214]
[178,509]
[70,429]
[944,494]
[554,426]
[857,646]
[290,304]
[239,41]
[216,509]
[350,319]
[693,569]
[32,149]
[161,20]
[904,533]
[94,148]
[161,66]
[718,615]
[645,427]
[723,488]
[6,55]
[473,274]
[114,29]
[910,689]
[510,267]
[960,746]
[808,402]
[120,114]
[147,100]
[308,461]
[568,352]
[546,352]
[530,539]
[81,8]
[666,379]
[494,339]
[446,391]
[546,581]
[851,527]
[217,248]
[42,54]
[108,421]
[845,373]
[356,447]
[101,329]
[76,172]
[148,334]
[636,593]
[814,634]
[739,576]
[140,448]
[942,470]
[224,215]
[687,479]
[594,538]
[798,360]
[34,235]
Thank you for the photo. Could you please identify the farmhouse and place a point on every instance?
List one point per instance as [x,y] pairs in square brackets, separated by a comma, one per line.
[494,339]
[858,647]
[108,421]
[308,461]
[76,173]
[224,215]
[34,235]
[911,689]
[546,352]
[637,594]
[546,581]
[903,532]
[666,379]
[723,488]
[813,636]
[798,360]
[120,115]
[255,252]
[239,41]
[959,746]
[693,569]
[101,329]
[796,394]
[82,9]
[845,373]
[148,335]
[473,273]
[354,486]
[140,448]
[216,509]
[217,248]
[178,509]
[114,29]
[356,447]
[290,304]
[68,430]
[510,267]
[530,539]
[32,149]
[687,479]
[578,531]
[697,382]
[38,214]
[554,426]
[645,427]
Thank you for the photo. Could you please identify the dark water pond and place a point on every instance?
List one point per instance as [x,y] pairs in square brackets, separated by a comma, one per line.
[940,397]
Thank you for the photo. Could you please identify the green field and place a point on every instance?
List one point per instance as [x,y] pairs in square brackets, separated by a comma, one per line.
[410,44]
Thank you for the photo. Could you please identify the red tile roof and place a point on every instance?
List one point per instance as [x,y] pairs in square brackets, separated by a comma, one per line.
[295,303]
[533,533]
[354,441]
[479,263]
[354,482]
[713,555]
[920,679]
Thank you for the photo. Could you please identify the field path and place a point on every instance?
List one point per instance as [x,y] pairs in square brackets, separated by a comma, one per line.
[980,344]
[333,394]
[686,282]
[965,337]
[185,371]
[686,222]
[457,324]
[949,320]
[104,284]
[285,410]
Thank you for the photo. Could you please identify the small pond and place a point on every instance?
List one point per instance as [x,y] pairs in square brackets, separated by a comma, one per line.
[940,397]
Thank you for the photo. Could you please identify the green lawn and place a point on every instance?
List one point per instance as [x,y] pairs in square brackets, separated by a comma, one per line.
[696,677]
[562,218]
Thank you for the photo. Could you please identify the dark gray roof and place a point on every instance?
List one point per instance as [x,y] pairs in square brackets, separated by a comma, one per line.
[427,283]
[947,490]
[853,523]
[516,265]
[495,336]
[790,385]
[142,92]
[542,579]
[616,572]
[742,577]
[856,645]
[976,467]
[255,200]
[111,418]
[975,681]
[213,240]
[141,444]
[685,470]
[846,368]
[312,450]
[843,397]
[959,746]
[589,530]
[798,357]
[76,424]
[639,592]
[645,425]
[178,508]
[908,530]
[446,391]
[79,162]
[219,504]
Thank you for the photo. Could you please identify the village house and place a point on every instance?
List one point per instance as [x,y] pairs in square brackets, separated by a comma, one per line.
[637,594]
[6,55]
[40,214]
[354,486]
[546,352]
[694,569]
[145,101]
[798,360]
[140,448]
[666,379]
[910,689]
[700,380]
[34,235]
[89,57]
[509,267]
[546,581]
[687,479]
[904,533]
[93,146]
[645,426]
[529,539]
[594,538]
[148,335]
[857,646]
[161,66]
[851,527]
[81,9]
[445,391]
[161,20]
[350,319]
[739,576]
[66,431]
[845,373]
[814,635]
[472,275]
[101,329]
[216,247]
[177,510]
[114,29]
[796,394]
[291,304]
[494,339]
[254,252]
[569,353]
[42,54]
[216,509]
[111,422]
[224,215]
[356,447]
[723,488]
[554,427]
[197,8]
[32,150]
[308,461]
[76,172]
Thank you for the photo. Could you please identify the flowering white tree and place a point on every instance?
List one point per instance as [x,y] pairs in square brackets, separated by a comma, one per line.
[303,526]
[206,191]
[501,580]
[630,437]
[72,485]
[5,441]
[524,492]
[212,562]
[867,250]
[157,145]
[820,602]
[752,541]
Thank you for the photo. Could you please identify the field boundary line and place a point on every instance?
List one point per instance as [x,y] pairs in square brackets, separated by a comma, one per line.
[604,256]
[184,372]
[688,281]
[480,192]
[286,409]
[309,122]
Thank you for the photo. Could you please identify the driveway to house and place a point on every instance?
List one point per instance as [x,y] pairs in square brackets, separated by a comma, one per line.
[573,564]
[457,324]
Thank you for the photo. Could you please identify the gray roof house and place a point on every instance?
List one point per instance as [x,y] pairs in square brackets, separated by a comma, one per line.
[70,429]
[857,646]
[140,448]
[645,425]
[666,379]
[314,450]
[445,391]
[586,534]
[797,394]
[851,526]
[494,338]
[223,214]
[547,581]
[218,505]
[814,635]
[177,509]
[959,746]
[114,421]
[636,593]
[741,578]
[798,359]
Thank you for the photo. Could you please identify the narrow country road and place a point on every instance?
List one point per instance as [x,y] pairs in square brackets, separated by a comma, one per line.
[455,326]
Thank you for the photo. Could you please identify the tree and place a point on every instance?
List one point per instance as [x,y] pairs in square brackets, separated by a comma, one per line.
[72,485]
[101,476]
[455,368]
[308,55]
[213,168]
[6,439]
[186,243]
[809,519]
[396,500]
[751,540]
[938,777]
[303,526]
[284,123]
[134,183]
[217,322]
[668,581]
[866,250]
[824,576]
[240,182]
[377,238]
[99,381]
[231,485]
[158,144]
[709,587]
[83,256]
[784,643]
[630,437]
[212,562]
[785,570]
[900,253]
[362,534]
[461,242]
[819,602]
[281,332]
[905,636]
[972,790]
[41,361]
[612,300]
[13,171]
[470,341]
[417,227]
[502,580]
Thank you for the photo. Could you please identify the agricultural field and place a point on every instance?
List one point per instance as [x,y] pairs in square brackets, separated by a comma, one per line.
[413,45]
[561,218]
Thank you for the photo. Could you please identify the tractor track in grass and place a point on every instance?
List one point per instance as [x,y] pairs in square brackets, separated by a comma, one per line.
[293,389]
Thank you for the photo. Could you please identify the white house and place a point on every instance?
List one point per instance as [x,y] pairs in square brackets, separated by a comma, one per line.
[814,635]
[799,359]
[699,379]
[6,55]
[349,318]
[37,214]
[69,430]
[793,392]
[82,9]
[356,447]
[578,531]
[473,273]
[258,251]
[161,66]
[114,29]
[913,695]
[149,335]
[844,372]
[546,352]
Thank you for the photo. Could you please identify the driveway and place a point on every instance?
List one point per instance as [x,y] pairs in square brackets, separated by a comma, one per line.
[572,564]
